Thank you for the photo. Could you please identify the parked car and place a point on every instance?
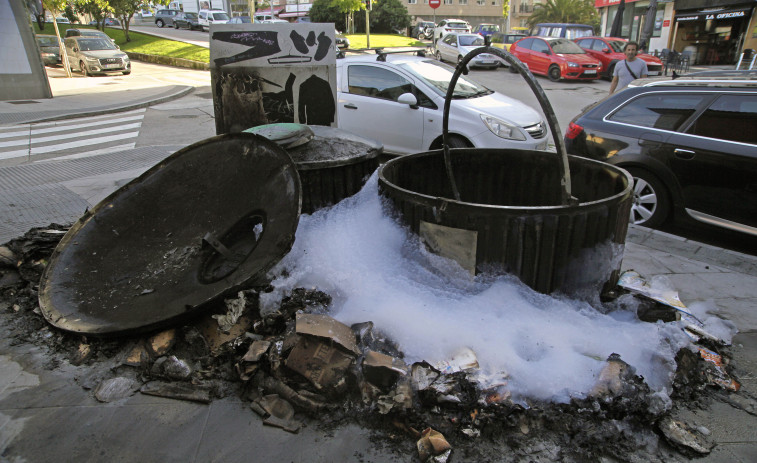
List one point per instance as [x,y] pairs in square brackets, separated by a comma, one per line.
[503,41]
[609,50]
[556,58]
[112,22]
[342,42]
[564,30]
[49,49]
[446,26]
[61,20]
[273,21]
[166,17]
[187,20]
[421,30]
[398,99]
[485,29]
[95,55]
[208,17]
[240,20]
[689,144]
[454,47]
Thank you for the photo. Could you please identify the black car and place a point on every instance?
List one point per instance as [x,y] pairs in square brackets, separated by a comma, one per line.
[187,20]
[423,30]
[689,143]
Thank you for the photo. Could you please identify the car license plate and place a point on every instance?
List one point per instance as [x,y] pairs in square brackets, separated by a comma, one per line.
[590,71]
[488,61]
[653,73]
[111,66]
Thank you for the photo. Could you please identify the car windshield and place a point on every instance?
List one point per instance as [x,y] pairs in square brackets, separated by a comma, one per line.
[617,45]
[457,25]
[470,40]
[566,47]
[96,44]
[190,15]
[489,27]
[438,77]
[47,41]
[94,34]
[220,16]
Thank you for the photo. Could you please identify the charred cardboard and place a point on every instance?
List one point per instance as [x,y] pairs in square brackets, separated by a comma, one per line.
[325,327]
[382,370]
[323,363]
[208,220]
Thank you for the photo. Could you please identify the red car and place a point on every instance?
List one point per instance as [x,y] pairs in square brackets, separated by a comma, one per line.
[609,50]
[556,58]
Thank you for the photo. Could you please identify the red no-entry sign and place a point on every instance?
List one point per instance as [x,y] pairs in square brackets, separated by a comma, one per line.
[434,3]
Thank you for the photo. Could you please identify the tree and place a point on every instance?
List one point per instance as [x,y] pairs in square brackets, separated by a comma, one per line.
[97,9]
[327,11]
[565,11]
[55,7]
[124,10]
[389,17]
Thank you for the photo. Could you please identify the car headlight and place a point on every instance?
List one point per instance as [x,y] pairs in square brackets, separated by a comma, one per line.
[92,60]
[502,129]
[573,65]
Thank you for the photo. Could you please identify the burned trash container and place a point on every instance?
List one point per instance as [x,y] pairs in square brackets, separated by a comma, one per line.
[557,222]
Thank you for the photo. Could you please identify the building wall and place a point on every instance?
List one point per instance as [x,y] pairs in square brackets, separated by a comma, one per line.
[473,11]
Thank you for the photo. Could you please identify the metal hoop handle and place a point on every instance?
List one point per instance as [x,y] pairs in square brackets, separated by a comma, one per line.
[462,68]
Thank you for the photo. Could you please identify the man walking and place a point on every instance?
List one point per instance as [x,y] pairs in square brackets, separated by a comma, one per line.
[629,69]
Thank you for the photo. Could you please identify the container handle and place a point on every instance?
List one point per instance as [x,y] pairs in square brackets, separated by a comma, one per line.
[462,68]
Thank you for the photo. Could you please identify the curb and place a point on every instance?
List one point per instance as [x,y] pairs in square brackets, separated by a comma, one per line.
[691,249]
[169,61]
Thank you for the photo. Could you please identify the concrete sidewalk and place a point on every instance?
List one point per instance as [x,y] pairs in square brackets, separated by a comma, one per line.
[48,412]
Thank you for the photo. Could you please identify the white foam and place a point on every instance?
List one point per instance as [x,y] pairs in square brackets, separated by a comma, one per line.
[553,348]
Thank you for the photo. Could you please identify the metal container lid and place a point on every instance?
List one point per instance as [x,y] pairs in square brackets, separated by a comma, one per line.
[207,221]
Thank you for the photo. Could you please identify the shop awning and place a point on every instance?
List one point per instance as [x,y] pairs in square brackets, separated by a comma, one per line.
[712,13]
[293,15]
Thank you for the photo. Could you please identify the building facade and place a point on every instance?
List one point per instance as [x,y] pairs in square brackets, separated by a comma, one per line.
[474,11]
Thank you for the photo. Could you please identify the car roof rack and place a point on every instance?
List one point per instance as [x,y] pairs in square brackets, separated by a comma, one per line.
[382,52]
[701,81]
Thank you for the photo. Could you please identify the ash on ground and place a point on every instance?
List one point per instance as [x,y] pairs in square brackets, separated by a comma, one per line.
[297,366]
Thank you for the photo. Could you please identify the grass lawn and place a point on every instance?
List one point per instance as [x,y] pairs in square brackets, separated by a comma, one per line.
[140,43]
[383,40]
[148,44]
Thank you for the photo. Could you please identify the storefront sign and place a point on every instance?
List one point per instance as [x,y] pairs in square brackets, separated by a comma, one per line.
[708,15]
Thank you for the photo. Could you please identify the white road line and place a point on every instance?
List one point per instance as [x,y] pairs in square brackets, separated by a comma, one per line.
[23,129]
[85,154]
[62,128]
[65,146]
[85,133]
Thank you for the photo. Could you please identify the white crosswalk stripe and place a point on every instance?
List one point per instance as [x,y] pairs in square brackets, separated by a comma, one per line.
[80,137]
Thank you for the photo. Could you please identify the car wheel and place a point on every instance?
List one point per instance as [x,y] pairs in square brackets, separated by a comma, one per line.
[439,56]
[610,71]
[176,25]
[456,141]
[651,201]
[126,73]
[554,73]
[421,36]
[84,69]
[160,23]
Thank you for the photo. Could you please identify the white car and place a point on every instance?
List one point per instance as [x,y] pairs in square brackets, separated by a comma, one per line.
[446,26]
[453,47]
[398,100]
[207,17]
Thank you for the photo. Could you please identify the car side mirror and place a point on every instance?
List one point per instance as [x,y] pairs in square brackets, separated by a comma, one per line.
[408,99]
[454,45]
[605,50]
[547,52]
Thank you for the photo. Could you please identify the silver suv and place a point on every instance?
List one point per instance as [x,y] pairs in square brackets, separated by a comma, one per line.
[165,17]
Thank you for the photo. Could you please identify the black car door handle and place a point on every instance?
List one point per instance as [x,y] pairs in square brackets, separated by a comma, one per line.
[684,154]
[350,106]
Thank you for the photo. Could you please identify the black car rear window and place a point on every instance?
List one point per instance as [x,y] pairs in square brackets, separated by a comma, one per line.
[659,110]
[730,117]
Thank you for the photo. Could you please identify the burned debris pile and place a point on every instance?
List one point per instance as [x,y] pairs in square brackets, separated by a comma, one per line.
[297,366]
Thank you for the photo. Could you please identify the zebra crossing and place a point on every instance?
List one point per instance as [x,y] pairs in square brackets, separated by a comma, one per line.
[71,138]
